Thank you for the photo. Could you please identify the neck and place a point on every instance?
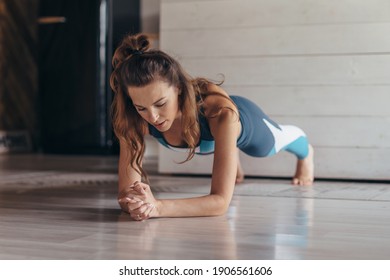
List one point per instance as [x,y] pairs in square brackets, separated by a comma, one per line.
[176,125]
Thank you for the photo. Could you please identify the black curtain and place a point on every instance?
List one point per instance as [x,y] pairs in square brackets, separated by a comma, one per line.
[74,67]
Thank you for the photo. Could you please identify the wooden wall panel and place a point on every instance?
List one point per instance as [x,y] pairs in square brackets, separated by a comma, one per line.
[219,14]
[317,100]
[330,39]
[351,163]
[287,71]
[348,132]
[323,65]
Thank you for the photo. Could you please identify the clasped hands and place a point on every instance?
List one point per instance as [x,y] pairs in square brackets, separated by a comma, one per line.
[138,201]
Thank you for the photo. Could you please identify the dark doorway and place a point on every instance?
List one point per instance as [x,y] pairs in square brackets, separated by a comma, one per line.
[74,66]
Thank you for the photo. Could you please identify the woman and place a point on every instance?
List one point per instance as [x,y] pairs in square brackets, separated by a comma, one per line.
[154,95]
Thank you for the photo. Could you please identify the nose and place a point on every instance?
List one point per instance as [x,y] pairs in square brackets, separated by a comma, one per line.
[154,116]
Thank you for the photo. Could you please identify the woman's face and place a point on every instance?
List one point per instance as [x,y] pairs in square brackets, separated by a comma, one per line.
[157,103]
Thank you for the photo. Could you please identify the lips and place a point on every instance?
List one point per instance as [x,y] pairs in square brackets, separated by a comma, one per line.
[160,124]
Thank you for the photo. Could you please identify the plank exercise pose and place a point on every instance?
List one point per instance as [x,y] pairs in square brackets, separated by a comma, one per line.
[154,95]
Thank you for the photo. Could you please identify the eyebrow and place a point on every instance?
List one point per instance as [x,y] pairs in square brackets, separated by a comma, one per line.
[153,103]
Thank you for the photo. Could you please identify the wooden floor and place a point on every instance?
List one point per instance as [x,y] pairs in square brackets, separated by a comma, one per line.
[54,207]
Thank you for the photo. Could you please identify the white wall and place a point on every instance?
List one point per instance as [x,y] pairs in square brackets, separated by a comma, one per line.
[150,23]
[150,16]
[323,65]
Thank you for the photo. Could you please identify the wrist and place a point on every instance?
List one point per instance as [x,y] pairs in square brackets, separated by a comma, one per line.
[158,206]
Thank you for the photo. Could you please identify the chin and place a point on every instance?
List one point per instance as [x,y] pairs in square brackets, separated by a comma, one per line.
[165,127]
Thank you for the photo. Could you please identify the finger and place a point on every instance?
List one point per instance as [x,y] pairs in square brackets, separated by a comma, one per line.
[142,209]
[134,195]
[131,206]
[134,206]
[149,210]
[130,199]
[136,217]
[140,189]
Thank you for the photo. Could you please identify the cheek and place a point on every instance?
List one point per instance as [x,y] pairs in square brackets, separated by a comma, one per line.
[143,115]
[175,107]
[173,110]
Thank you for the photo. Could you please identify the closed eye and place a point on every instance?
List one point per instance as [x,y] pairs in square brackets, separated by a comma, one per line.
[140,109]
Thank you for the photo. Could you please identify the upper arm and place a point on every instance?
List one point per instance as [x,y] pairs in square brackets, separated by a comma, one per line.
[225,129]
[127,175]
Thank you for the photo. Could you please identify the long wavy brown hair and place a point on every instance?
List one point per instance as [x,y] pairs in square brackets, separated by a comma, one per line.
[135,64]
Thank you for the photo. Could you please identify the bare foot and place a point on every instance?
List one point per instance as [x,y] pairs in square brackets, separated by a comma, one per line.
[240,174]
[304,175]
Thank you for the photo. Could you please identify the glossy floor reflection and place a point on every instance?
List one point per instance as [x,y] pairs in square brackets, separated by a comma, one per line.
[65,208]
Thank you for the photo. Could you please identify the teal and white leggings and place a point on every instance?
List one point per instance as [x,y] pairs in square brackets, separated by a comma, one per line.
[262,137]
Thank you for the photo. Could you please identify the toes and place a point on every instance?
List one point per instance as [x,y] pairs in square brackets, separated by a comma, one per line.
[239,180]
[309,183]
[302,182]
[295,181]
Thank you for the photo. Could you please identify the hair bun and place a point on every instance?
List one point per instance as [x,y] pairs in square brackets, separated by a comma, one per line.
[129,46]
[143,43]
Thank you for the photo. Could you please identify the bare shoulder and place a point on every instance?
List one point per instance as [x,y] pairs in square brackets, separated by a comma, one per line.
[221,111]
[216,100]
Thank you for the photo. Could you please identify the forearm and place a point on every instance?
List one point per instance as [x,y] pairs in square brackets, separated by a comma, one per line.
[141,204]
[209,205]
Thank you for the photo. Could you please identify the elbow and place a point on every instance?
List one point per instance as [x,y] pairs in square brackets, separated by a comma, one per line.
[221,205]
